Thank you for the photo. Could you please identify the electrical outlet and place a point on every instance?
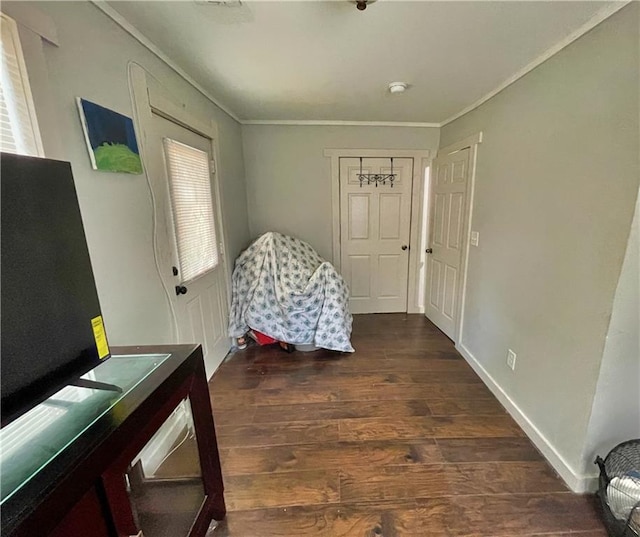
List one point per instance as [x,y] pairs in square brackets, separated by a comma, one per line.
[511,359]
[475,238]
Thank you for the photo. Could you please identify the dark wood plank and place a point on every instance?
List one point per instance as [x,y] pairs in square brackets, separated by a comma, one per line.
[423,353]
[237,416]
[399,391]
[488,449]
[317,521]
[225,401]
[360,362]
[251,379]
[316,487]
[296,395]
[351,380]
[434,480]
[429,344]
[380,341]
[339,410]
[503,515]
[233,400]
[463,376]
[257,434]
[593,533]
[329,455]
[428,426]
[261,361]
[465,407]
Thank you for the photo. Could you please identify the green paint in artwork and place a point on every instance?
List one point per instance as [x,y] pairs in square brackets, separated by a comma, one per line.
[117,158]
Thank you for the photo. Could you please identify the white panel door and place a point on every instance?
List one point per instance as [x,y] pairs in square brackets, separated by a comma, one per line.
[200,303]
[374,234]
[444,259]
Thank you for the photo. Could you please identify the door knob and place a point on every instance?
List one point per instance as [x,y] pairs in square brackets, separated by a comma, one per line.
[404,247]
[181,290]
[429,250]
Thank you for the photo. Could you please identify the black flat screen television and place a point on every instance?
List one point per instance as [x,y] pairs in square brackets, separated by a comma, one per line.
[50,322]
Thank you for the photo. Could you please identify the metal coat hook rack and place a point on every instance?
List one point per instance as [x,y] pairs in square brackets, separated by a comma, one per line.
[377,178]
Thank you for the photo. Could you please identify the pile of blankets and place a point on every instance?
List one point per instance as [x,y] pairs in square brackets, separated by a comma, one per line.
[284,289]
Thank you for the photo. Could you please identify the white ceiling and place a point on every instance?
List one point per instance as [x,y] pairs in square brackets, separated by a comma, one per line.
[325,60]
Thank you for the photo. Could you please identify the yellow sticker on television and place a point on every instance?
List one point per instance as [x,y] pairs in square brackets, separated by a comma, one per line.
[100,336]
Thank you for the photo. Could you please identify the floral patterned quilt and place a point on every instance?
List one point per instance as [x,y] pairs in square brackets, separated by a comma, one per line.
[284,289]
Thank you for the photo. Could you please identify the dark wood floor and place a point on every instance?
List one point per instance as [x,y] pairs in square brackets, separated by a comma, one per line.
[400,438]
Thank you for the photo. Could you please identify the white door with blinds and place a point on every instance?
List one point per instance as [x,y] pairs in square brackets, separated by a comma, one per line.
[191,253]
[18,124]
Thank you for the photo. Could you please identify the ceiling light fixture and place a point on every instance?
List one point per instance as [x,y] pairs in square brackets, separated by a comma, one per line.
[217,3]
[361,5]
[398,87]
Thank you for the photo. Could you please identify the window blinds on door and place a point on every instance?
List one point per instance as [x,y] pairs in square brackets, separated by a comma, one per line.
[18,126]
[192,207]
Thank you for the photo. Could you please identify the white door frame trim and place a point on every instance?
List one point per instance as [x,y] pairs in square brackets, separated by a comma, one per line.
[469,141]
[421,159]
[472,143]
[148,97]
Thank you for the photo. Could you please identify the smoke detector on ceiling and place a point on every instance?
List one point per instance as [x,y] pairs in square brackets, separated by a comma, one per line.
[398,87]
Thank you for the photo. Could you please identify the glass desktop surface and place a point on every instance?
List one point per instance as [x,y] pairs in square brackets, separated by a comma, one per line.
[29,443]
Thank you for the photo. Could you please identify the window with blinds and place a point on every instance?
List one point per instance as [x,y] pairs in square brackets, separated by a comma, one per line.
[192,207]
[18,125]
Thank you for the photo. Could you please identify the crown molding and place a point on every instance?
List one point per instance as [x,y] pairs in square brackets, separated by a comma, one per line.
[603,14]
[338,123]
[146,42]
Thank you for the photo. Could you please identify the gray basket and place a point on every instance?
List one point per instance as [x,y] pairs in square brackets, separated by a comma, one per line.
[619,490]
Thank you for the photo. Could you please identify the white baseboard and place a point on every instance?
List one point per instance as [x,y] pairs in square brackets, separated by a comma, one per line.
[159,446]
[577,482]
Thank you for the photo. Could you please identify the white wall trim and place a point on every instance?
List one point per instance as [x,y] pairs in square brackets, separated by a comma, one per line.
[471,190]
[33,19]
[469,141]
[378,153]
[577,482]
[420,163]
[167,108]
[421,159]
[142,114]
[603,14]
[144,41]
[472,143]
[157,449]
[338,123]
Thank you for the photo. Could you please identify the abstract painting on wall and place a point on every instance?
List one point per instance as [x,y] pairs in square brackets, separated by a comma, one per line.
[111,139]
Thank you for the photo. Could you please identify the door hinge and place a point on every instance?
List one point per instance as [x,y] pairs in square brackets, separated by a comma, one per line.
[212,166]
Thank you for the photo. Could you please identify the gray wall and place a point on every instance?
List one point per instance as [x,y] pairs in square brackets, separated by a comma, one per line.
[557,180]
[91,62]
[615,416]
[289,178]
